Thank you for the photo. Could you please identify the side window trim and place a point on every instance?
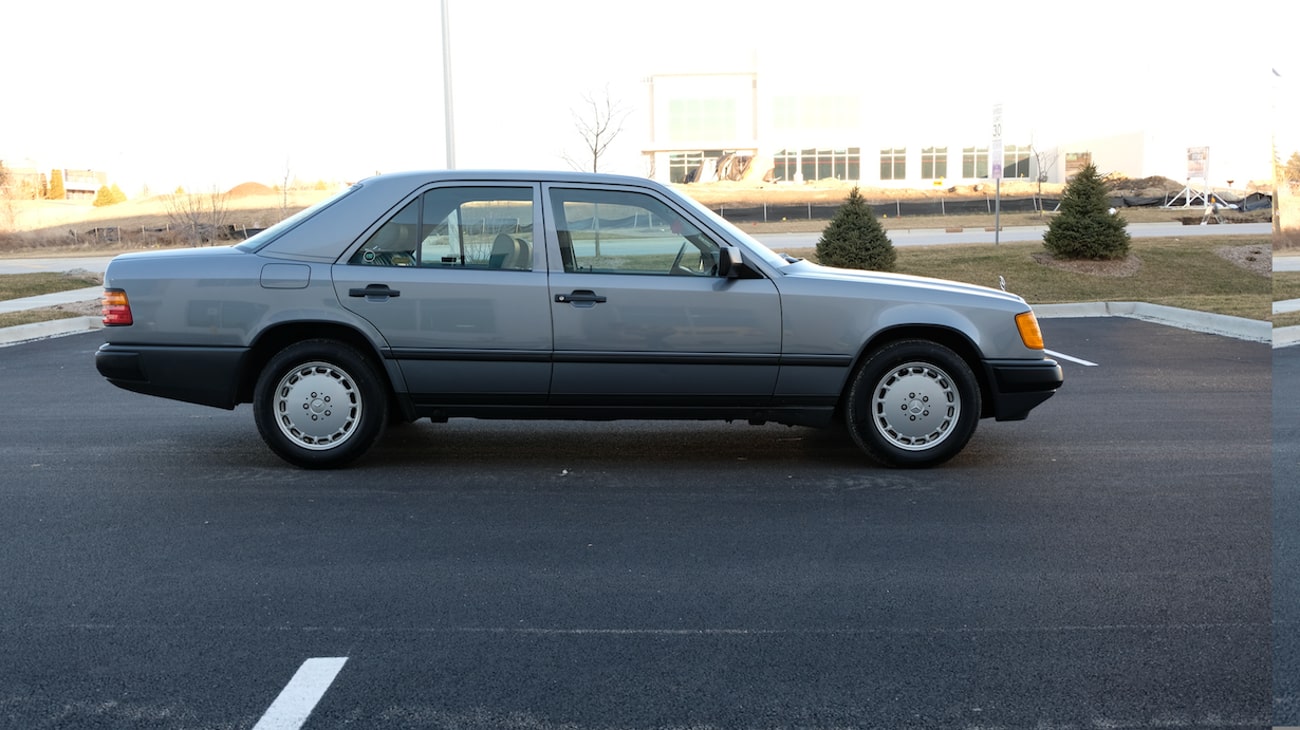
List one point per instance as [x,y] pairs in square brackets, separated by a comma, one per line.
[523,253]
[559,232]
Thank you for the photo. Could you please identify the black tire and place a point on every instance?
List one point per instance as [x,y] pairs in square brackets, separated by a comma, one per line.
[319,404]
[912,404]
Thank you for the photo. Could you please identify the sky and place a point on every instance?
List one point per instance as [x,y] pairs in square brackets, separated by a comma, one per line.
[209,95]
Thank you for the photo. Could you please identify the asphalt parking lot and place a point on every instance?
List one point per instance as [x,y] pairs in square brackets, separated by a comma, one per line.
[1286,544]
[1105,563]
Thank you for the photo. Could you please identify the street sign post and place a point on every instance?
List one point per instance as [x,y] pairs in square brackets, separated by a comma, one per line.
[995,165]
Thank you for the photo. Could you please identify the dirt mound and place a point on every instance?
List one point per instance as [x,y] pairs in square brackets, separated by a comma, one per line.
[1122,184]
[249,189]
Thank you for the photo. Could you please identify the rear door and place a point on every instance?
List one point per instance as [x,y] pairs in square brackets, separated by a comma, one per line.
[640,315]
[457,287]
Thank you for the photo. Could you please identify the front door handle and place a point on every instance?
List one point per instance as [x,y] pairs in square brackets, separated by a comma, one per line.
[581,296]
[377,292]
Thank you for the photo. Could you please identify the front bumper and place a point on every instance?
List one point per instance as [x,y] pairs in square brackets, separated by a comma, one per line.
[1017,386]
[208,376]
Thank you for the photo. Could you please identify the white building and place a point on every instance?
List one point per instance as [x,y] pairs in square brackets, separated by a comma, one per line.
[706,126]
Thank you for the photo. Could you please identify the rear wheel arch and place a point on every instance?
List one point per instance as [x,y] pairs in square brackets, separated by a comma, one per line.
[320,402]
[270,342]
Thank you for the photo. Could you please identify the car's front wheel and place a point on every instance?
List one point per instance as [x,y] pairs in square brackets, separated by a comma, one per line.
[913,403]
[319,404]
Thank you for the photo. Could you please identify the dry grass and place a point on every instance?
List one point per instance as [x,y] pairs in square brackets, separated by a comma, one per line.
[31,316]
[18,286]
[40,228]
[1187,273]
[1286,285]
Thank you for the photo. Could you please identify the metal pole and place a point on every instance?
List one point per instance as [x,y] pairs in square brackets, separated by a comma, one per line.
[446,89]
[1277,168]
[997,213]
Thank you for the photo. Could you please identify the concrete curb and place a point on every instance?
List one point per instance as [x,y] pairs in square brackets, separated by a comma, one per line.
[1286,305]
[1216,324]
[45,330]
[1286,336]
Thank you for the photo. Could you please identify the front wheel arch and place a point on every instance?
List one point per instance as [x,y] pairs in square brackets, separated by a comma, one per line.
[952,339]
[912,403]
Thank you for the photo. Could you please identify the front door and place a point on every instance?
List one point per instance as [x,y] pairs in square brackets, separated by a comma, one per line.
[640,315]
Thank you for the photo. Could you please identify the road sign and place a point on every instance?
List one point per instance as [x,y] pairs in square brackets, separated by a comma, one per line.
[995,149]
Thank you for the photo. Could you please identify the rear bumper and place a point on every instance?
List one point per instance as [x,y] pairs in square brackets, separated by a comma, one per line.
[208,376]
[1017,386]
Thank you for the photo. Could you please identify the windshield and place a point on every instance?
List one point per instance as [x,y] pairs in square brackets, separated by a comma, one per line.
[752,244]
[264,237]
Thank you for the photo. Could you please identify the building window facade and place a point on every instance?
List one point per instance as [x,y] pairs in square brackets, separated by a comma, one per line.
[809,164]
[893,163]
[682,165]
[934,163]
[1015,161]
[816,113]
[1075,162]
[701,119]
[785,165]
[975,162]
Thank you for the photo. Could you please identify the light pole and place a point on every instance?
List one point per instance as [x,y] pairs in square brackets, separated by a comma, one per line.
[446,89]
[1277,169]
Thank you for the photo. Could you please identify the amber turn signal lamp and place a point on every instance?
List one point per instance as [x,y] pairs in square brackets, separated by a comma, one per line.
[1030,334]
[116,310]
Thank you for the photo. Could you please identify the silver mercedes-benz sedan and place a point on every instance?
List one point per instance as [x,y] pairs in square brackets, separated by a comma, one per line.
[558,295]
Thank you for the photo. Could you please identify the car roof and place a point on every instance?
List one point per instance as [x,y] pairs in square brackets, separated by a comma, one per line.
[415,176]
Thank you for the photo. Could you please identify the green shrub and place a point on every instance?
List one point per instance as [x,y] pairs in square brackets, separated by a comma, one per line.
[1085,228]
[855,239]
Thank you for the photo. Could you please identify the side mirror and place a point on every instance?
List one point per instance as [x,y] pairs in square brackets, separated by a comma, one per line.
[730,263]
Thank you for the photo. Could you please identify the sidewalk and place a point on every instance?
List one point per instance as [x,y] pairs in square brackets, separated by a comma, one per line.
[54,327]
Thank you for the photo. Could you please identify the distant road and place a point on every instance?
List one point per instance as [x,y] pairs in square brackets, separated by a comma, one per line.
[938,237]
[780,242]
[94,264]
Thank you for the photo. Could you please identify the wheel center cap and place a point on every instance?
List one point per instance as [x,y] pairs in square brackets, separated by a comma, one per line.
[916,407]
[317,405]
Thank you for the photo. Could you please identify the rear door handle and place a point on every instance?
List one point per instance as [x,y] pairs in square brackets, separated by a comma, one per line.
[376,292]
[581,296]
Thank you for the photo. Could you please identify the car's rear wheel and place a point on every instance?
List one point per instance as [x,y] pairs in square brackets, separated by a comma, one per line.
[913,403]
[319,404]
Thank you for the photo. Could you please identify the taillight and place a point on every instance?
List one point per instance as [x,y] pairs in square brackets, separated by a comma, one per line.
[117,310]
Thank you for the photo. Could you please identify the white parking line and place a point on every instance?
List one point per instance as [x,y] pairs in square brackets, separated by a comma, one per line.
[1077,360]
[299,697]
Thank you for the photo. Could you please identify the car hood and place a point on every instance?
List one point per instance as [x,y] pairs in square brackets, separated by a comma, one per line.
[809,270]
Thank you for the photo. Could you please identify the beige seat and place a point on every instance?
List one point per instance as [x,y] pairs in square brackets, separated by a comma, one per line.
[505,251]
[524,259]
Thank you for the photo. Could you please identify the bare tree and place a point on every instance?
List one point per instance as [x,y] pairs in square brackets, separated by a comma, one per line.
[599,120]
[201,218]
[284,192]
[8,215]
[1046,160]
